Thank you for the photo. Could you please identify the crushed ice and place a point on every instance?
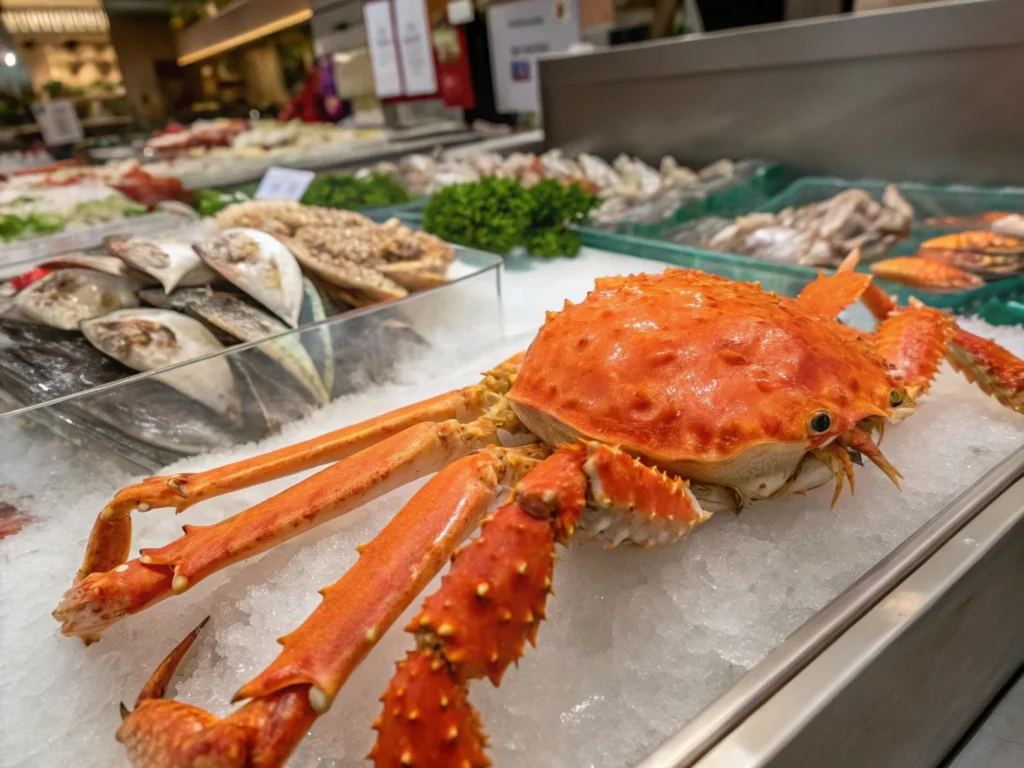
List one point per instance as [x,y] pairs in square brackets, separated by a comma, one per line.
[637,644]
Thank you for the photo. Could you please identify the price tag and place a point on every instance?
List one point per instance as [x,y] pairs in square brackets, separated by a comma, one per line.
[58,122]
[283,184]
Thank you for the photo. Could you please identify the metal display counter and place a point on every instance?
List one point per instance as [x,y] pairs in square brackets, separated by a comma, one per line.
[344,158]
[895,670]
[974,536]
[922,93]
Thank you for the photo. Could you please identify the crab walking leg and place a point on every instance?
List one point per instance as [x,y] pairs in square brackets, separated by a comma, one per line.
[493,598]
[913,341]
[995,370]
[103,598]
[323,651]
[110,540]
[828,295]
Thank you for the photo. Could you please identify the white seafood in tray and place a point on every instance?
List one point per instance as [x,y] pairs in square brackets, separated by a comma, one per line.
[151,339]
[66,297]
[259,264]
[171,262]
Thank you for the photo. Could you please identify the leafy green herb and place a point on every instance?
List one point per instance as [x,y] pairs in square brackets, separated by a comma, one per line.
[11,226]
[342,191]
[491,214]
[555,209]
[499,215]
[212,201]
[46,223]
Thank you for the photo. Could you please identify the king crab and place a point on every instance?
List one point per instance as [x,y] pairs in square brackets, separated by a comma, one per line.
[655,402]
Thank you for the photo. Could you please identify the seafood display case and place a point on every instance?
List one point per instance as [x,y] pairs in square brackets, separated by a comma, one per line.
[702,634]
[788,634]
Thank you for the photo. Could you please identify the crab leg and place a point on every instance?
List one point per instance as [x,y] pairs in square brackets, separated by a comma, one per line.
[103,598]
[994,369]
[323,651]
[110,540]
[913,341]
[828,295]
[492,600]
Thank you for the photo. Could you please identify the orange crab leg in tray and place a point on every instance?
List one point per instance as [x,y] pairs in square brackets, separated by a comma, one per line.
[104,597]
[318,657]
[110,540]
[489,605]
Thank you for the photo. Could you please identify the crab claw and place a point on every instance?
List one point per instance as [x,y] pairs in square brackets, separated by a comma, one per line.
[163,733]
[157,732]
[861,443]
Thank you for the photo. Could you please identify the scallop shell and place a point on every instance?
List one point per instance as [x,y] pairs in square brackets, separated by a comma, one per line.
[151,339]
[66,297]
[259,264]
[171,262]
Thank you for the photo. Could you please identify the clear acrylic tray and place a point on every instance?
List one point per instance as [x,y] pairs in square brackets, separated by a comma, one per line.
[130,418]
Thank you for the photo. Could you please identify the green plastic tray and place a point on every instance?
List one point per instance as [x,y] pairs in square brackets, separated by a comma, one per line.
[1002,312]
[731,199]
[788,279]
[385,212]
[927,200]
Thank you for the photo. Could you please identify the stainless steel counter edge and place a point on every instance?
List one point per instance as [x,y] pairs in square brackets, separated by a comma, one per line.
[743,700]
[901,686]
[946,26]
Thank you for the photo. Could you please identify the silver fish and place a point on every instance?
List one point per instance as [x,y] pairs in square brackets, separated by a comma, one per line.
[314,310]
[150,339]
[171,262]
[247,323]
[259,264]
[66,297]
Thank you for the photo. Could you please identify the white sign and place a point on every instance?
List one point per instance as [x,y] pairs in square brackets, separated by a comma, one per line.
[518,33]
[58,122]
[383,57]
[415,47]
[283,184]
[460,12]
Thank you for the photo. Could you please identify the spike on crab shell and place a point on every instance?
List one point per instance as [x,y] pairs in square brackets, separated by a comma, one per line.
[514,556]
[431,723]
[849,264]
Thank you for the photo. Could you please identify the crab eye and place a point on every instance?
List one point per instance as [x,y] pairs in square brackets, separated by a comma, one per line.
[820,423]
[895,398]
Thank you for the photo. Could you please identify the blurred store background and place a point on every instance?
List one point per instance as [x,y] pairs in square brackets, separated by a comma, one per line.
[413,66]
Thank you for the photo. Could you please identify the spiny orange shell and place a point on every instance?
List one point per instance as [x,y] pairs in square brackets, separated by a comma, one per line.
[687,366]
